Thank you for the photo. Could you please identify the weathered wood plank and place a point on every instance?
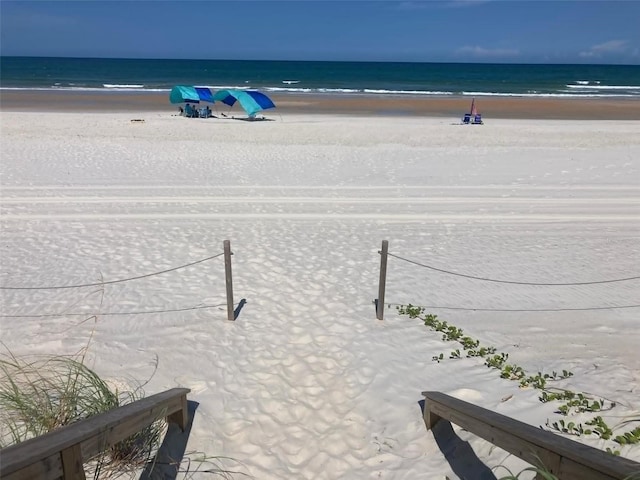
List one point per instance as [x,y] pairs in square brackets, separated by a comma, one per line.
[49,468]
[111,434]
[104,429]
[562,456]
[503,439]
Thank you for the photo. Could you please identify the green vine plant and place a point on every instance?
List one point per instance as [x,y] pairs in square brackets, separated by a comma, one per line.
[573,402]
[629,438]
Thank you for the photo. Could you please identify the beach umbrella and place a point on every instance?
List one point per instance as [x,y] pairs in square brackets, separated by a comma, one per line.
[474,110]
[184,94]
[251,101]
[204,94]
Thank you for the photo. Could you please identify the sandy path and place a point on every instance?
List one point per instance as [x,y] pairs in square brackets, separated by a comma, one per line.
[306,383]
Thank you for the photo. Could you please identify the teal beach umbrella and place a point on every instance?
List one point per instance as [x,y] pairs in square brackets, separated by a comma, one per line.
[251,101]
[184,94]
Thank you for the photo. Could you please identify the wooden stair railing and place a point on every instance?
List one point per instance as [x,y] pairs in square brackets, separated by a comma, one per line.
[566,459]
[61,453]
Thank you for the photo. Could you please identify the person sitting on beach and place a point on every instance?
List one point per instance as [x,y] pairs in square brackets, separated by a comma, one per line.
[181,110]
[207,112]
[189,111]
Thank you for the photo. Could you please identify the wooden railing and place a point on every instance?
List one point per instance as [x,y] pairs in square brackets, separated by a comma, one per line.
[62,452]
[566,459]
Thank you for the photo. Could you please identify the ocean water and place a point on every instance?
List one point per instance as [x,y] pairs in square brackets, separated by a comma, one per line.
[349,78]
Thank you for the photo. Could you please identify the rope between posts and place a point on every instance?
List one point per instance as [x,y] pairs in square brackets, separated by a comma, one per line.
[510,281]
[469,309]
[110,282]
[107,314]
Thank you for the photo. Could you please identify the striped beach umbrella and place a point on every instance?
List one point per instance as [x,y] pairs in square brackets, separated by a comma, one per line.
[251,101]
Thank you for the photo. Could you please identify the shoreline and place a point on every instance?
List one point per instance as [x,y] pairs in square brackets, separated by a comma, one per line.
[367,105]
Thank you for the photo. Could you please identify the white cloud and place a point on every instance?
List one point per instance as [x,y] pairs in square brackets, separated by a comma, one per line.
[612,46]
[478,51]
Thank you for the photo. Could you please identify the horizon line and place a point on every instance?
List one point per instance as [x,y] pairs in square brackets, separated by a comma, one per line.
[320,61]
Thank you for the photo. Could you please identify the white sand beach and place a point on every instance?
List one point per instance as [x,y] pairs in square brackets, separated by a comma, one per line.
[307,383]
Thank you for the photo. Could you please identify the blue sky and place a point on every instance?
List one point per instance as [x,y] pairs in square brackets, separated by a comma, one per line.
[515,31]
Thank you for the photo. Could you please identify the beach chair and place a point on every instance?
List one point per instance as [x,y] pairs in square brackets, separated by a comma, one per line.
[477,119]
[467,118]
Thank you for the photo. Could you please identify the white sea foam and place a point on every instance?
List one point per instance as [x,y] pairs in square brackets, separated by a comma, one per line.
[605,87]
[116,86]
[406,92]
[338,90]
[587,82]
[290,90]
[571,94]
[571,91]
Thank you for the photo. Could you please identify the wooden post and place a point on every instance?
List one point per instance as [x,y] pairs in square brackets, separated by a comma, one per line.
[430,418]
[181,417]
[383,279]
[228,280]
[72,465]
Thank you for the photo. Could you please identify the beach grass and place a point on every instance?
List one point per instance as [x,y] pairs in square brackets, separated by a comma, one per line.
[42,393]
[541,473]
[39,394]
